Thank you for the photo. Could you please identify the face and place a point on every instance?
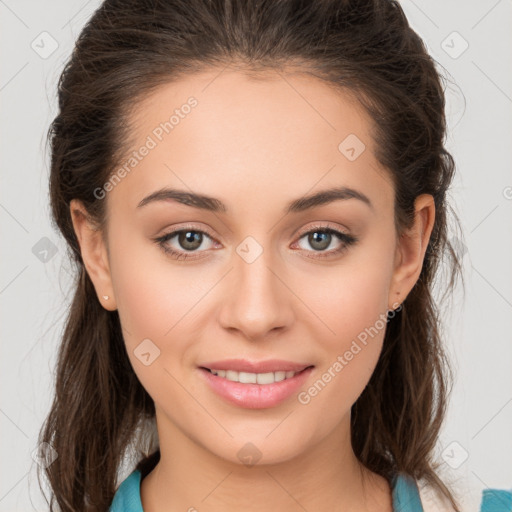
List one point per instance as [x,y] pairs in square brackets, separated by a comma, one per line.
[252,279]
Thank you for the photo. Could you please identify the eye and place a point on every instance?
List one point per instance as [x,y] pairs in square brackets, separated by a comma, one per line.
[187,240]
[322,237]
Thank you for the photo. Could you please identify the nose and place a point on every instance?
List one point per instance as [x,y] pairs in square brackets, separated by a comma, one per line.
[256,299]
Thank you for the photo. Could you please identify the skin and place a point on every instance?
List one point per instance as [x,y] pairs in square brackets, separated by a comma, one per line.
[255,145]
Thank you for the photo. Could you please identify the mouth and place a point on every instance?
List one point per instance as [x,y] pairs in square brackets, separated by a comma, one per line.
[255,389]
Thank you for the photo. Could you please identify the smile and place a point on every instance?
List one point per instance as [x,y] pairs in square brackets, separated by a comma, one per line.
[255,390]
[253,378]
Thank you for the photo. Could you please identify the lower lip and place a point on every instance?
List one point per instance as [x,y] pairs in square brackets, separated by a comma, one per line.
[255,396]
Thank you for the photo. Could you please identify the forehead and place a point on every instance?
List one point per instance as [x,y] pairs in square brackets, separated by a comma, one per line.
[224,132]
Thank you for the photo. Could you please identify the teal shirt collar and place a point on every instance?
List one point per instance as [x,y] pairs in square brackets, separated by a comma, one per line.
[405,494]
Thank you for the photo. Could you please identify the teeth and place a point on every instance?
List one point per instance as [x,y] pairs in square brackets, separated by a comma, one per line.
[254,378]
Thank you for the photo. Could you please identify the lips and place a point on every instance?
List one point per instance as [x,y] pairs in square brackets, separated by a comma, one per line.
[251,395]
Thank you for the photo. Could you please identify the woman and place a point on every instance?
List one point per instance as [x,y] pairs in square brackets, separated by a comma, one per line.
[254,193]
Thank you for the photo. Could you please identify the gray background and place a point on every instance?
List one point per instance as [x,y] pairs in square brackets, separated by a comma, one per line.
[476,444]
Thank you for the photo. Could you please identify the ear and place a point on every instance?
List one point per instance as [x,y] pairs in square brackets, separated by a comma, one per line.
[94,254]
[410,251]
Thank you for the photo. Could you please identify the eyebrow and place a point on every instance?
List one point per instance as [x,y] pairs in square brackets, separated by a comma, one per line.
[213,204]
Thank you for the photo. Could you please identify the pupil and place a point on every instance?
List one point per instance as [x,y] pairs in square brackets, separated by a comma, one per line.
[315,239]
[190,240]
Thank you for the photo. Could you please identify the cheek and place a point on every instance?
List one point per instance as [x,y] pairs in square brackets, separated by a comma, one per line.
[144,295]
[353,312]
[346,300]
[158,302]
[152,292]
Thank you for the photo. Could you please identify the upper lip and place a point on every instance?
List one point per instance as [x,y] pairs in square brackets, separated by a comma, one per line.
[267,366]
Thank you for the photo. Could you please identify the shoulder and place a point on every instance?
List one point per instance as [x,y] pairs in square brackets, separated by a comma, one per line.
[491,500]
[127,497]
[407,496]
[496,500]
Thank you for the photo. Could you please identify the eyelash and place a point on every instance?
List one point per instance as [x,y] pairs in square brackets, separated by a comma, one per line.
[346,239]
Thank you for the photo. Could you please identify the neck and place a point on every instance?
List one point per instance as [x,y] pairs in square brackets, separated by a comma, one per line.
[327,477]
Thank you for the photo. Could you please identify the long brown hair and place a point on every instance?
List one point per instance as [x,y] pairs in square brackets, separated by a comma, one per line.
[128,48]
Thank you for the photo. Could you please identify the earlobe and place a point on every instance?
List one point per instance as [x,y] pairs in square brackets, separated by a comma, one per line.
[94,254]
[411,249]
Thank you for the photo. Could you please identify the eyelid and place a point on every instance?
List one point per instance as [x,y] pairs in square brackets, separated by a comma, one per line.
[319,226]
[190,226]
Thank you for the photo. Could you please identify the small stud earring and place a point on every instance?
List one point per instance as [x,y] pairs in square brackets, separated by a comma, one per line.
[105,297]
